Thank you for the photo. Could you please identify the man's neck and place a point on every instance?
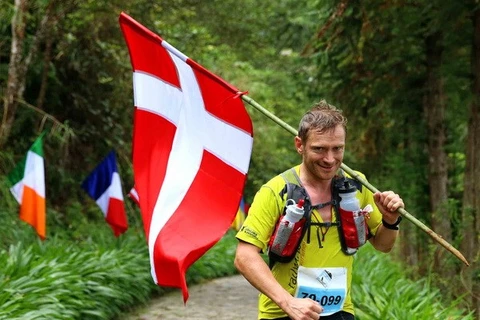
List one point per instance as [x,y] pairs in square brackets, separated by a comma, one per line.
[313,182]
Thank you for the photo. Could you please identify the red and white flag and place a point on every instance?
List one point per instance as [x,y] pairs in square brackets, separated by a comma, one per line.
[192,142]
[134,196]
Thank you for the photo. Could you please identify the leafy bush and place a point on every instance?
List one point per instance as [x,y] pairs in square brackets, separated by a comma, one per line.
[381,291]
[65,281]
[57,279]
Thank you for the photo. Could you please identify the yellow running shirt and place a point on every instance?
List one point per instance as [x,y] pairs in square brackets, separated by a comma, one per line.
[259,225]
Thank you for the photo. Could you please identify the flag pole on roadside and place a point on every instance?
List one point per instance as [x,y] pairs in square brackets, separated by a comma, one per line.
[369,186]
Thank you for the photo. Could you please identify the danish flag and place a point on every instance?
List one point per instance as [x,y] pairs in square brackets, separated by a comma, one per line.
[192,142]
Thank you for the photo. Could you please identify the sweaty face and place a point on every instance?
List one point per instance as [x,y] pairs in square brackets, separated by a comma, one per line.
[323,153]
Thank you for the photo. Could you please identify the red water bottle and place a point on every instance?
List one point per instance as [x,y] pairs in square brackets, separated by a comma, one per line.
[352,218]
[286,234]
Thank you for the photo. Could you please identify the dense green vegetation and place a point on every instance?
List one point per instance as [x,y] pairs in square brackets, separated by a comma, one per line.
[98,277]
[102,277]
[382,291]
[402,71]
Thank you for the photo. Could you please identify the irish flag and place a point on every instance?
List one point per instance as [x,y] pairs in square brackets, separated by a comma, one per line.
[28,187]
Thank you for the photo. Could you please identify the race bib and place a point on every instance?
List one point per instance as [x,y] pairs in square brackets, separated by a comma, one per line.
[326,286]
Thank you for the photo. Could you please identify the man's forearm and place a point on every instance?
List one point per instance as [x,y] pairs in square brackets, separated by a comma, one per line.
[251,265]
[384,239]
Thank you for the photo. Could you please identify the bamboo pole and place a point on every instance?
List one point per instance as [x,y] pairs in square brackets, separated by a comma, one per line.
[370,187]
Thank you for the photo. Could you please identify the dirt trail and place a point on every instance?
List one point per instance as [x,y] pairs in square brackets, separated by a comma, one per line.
[228,298]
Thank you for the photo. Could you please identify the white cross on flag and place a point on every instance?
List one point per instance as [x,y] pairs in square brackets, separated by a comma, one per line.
[192,141]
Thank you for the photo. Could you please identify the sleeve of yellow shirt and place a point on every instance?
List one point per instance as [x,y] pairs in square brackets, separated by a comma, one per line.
[266,208]
[375,216]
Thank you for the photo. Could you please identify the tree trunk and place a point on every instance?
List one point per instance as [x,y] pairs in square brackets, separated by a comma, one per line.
[20,59]
[16,70]
[434,109]
[47,59]
[471,198]
[411,248]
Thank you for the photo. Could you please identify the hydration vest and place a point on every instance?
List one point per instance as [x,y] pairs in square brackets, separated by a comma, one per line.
[294,190]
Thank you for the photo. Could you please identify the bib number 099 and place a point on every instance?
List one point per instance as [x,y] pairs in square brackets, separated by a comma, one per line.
[324,300]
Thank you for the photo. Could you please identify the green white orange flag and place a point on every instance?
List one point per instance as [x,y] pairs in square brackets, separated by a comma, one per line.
[28,187]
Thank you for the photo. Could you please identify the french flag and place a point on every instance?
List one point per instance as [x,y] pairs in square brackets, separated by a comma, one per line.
[105,187]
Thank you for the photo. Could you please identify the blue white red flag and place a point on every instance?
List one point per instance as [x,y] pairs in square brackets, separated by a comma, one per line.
[192,142]
[105,187]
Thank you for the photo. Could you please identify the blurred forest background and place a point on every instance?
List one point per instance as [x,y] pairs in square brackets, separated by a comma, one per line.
[406,73]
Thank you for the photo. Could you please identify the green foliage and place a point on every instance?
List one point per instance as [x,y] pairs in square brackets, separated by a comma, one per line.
[56,280]
[381,291]
[92,279]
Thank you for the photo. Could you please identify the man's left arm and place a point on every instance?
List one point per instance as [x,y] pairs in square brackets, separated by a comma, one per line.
[388,203]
